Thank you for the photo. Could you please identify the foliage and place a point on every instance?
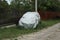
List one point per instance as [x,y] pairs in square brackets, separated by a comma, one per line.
[17,8]
[3,9]
[14,11]
[52,5]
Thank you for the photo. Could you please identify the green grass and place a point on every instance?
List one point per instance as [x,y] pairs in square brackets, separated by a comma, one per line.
[15,31]
[47,23]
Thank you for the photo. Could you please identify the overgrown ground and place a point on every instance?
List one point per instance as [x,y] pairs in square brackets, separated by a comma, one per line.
[15,31]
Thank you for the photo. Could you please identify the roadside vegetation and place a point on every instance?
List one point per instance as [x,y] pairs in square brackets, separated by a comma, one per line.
[15,31]
[13,12]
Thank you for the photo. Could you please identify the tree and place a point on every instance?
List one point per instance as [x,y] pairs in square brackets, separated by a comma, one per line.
[19,7]
[48,5]
[3,8]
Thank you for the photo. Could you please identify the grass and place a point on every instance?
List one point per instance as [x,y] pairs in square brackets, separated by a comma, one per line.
[47,23]
[14,31]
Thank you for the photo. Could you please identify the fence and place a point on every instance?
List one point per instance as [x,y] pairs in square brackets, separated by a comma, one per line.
[49,15]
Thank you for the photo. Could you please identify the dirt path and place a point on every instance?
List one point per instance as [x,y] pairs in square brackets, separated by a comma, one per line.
[51,33]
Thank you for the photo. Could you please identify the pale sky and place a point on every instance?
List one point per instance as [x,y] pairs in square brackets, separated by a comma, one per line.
[8,1]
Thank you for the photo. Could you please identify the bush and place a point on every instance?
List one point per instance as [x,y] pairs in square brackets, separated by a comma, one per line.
[51,5]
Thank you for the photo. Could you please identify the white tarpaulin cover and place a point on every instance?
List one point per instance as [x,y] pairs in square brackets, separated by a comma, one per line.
[29,20]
